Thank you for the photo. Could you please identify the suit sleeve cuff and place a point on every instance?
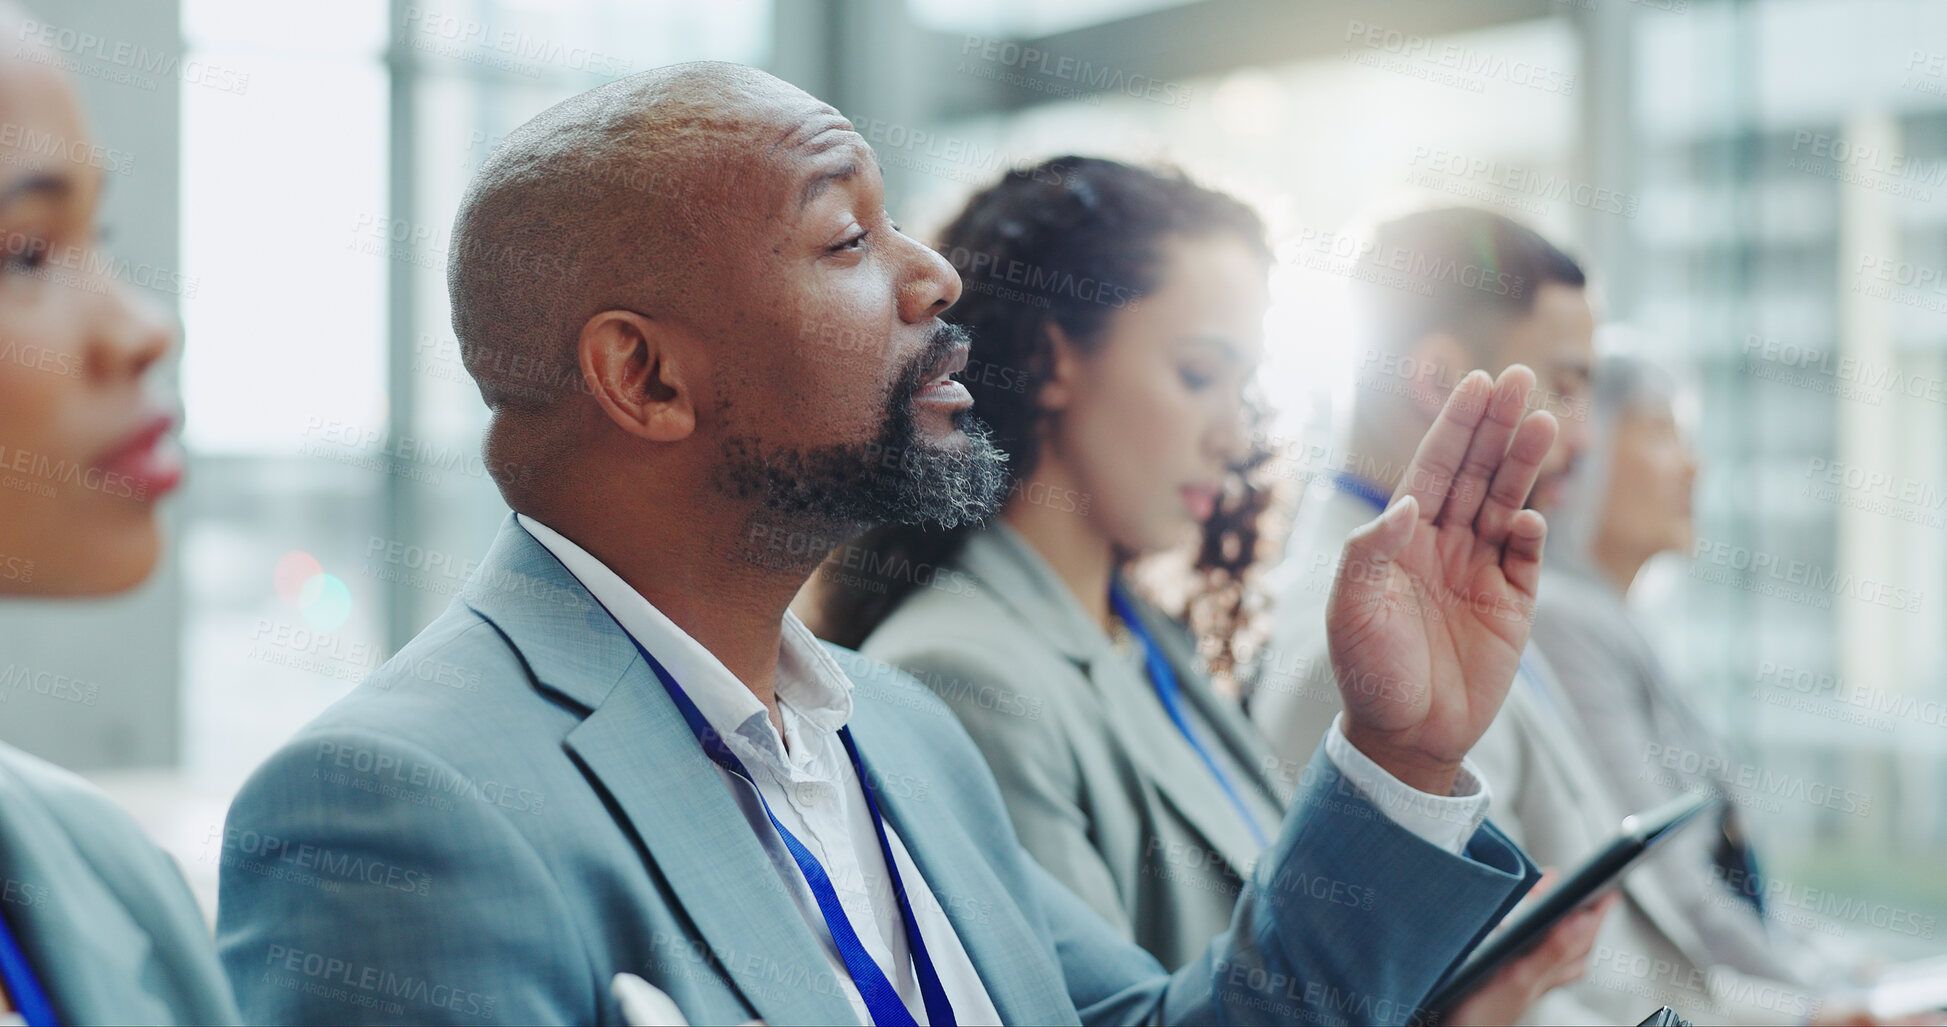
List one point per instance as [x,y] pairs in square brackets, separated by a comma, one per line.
[1444,821]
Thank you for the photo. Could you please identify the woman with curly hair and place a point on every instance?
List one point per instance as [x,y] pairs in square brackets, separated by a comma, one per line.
[1116,315]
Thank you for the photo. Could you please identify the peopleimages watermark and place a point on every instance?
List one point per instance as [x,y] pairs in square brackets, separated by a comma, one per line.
[443,573]
[953,158]
[1817,909]
[1801,581]
[319,866]
[522,374]
[1854,703]
[832,339]
[1747,784]
[42,358]
[1362,259]
[1040,279]
[120,61]
[1874,491]
[19,142]
[376,449]
[1031,67]
[16,568]
[851,565]
[508,49]
[366,986]
[1842,160]
[1526,189]
[37,474]
[1848,377]
[16,677]
[87,266]
[429,247]
[388,775]
[1926,72]
[1388,371]
[1447,63]
[1655,978]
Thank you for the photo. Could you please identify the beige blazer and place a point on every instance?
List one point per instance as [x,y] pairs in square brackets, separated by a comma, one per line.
[1547,795]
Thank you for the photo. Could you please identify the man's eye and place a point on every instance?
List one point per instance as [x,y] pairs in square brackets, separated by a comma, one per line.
[856,242]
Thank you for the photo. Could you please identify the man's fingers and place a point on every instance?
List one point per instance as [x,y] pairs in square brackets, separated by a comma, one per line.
[1521,556]
[1430,476]
[1516,477]
[1504,409]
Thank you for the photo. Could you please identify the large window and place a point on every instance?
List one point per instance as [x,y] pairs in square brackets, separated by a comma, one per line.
[337,496]
[1794,166]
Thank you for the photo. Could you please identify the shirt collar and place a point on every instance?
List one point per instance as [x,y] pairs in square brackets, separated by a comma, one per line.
[814,694]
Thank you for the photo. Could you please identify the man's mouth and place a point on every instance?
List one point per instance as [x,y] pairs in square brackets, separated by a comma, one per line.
[951,363]
[940,388]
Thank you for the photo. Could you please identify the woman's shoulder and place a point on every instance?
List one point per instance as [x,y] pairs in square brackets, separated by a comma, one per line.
[968,634]
[58,812]
[63,794]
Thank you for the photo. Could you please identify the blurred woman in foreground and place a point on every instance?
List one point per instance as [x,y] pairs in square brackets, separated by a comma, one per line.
[97,925]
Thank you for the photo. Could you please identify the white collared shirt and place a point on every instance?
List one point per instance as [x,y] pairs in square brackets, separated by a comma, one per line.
[810,785]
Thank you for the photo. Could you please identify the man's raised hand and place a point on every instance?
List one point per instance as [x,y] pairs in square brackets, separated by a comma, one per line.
[1434,598]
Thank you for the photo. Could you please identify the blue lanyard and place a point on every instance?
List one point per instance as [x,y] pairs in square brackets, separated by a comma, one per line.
[881,1000]
[1164,678]
[22,985]
[1353,485]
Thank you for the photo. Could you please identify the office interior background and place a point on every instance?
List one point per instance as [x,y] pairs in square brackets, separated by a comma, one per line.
[1760,189]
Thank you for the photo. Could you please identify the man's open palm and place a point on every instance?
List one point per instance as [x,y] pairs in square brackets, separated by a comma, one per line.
[1434,598]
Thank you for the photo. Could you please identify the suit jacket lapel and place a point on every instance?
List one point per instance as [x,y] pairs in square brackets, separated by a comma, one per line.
[1171,765]
[635,747]
[1004,561]
[1023,983]
[1233,731]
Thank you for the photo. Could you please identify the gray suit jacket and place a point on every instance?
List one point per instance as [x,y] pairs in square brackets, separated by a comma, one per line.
[511,810]
[1102,787]
[102,914]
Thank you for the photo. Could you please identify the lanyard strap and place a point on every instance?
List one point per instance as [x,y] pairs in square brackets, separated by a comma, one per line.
[22,984]
[881,999]
[1353,485]
[1163,677]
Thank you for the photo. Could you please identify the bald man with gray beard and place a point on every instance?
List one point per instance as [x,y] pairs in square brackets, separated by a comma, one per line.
[617,751]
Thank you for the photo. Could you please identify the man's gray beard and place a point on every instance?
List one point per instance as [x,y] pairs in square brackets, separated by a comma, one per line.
[810,501]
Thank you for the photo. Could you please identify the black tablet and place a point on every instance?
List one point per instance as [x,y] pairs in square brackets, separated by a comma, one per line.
[1641,834]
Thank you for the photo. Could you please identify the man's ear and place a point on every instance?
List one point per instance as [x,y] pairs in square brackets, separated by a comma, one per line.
[638,372]
[1064,370]
[1438,361]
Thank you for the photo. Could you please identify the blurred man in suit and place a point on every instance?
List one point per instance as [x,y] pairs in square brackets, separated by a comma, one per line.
[1440,292]
[710,357]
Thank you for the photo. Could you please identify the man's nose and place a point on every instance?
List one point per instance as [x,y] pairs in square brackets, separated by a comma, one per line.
[929,288]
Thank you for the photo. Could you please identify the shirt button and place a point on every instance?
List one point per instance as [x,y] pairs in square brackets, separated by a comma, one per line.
[808,792]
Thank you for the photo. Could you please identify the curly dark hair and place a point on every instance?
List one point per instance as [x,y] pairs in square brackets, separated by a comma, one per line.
[1068,243]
